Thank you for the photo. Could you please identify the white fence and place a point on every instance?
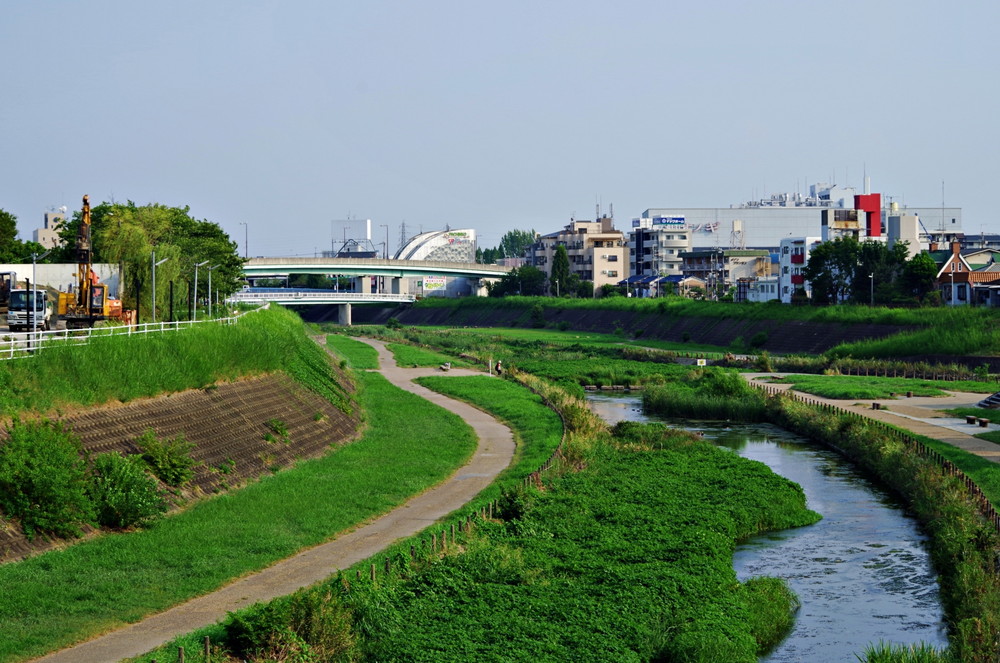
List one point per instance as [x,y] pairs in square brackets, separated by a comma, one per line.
[26,344]
[300,297]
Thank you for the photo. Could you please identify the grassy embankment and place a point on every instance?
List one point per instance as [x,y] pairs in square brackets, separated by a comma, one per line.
[649,523]
[867,388]
[963,544]
[60,597]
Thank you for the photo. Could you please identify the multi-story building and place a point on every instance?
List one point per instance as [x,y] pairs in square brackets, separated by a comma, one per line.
[48,235]
[655,245]
[597,252]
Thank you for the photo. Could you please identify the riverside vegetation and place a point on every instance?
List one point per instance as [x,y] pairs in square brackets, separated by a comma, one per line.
[641,516]
[115,579]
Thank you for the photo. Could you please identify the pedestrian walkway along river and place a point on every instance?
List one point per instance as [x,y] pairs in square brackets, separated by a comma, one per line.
[493,454]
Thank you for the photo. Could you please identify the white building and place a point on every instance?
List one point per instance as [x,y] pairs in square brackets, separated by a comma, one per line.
[597,252]
[793,256]
[48,234]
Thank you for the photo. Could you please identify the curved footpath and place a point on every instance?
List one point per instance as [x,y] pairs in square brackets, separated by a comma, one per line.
[493,454]
[917,414]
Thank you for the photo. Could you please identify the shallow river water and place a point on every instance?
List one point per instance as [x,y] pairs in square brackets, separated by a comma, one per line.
[862,573]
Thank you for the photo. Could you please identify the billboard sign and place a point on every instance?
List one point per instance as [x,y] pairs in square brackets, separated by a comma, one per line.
[432,283]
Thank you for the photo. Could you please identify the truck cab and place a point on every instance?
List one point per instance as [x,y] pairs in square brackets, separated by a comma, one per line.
[19,309]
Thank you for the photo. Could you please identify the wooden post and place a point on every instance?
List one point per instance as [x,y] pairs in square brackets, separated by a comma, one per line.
[180,655]
[373,573]
[434,543]
[387,566]
[208,640]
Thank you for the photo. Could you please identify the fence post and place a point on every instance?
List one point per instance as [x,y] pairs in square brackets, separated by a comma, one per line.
[180,655]
[208,640]
[373,572]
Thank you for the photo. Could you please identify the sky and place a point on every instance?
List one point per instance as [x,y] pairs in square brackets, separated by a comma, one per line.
[280,121]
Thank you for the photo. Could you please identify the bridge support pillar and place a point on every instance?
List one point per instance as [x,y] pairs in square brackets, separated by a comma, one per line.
[363,284]
[344,315]
[395,285]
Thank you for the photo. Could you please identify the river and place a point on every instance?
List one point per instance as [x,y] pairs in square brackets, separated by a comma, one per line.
[862,574]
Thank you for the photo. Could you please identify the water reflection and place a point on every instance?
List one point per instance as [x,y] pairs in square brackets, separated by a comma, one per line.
[862,573]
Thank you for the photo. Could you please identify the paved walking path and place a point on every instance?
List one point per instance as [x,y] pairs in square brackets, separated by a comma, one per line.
[493,454]
[918,414]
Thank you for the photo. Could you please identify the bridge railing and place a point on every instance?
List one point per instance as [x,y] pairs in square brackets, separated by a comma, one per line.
[277,294]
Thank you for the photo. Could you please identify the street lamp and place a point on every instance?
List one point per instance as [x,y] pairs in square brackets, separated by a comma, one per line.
[386,226]
[246,240]
[30,293]
[871,298]
[196,266]
[154,262]
[210,290]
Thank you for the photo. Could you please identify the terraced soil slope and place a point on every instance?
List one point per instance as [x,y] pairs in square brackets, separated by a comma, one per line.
[231,425]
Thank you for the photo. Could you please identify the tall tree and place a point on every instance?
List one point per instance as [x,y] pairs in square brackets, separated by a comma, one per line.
[831,269]
[525,280]
[559,278]
[513,244]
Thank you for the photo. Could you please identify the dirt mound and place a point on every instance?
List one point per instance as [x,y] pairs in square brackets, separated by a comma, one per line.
[241,430]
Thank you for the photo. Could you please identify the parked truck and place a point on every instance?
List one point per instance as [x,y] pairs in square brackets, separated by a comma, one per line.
[19,310]
[8,281]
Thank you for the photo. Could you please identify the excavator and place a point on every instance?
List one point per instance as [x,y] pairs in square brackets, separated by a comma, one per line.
[90,302]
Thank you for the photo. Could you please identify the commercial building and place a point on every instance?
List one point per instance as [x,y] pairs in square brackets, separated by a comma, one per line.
[48,234]
[764,223]
[443,246]
[722,268]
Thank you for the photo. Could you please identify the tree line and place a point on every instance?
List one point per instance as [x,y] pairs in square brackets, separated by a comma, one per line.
[127,235]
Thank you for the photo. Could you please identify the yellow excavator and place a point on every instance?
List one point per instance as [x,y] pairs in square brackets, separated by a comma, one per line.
[90,303]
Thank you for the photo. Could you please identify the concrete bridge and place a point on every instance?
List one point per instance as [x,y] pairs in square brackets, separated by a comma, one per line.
[396,276]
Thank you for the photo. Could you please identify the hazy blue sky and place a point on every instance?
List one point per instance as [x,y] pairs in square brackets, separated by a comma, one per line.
[290,115]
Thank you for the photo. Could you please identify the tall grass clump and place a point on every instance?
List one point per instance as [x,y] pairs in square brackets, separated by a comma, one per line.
[711,393]
[43,479]
[359,356]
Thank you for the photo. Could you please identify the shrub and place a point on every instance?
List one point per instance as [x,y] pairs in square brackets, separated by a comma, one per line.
[537,316]
[393,323]
[43,479]
[758,340]
[170,460]
[563,325]
[248,632]
[123,492]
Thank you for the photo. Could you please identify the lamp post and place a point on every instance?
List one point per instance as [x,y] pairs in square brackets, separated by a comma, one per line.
[210,290]
[154,263]
[30,293]
[196,266]
[386,226]
[246,240]
[871,297]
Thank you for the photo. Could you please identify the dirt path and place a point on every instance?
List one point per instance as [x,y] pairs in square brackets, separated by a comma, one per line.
[920,414]
[493,454]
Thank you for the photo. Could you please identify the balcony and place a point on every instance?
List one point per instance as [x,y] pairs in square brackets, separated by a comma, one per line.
[798,279]
[798,258]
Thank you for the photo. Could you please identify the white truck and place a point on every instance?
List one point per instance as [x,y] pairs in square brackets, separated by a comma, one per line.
[19,313]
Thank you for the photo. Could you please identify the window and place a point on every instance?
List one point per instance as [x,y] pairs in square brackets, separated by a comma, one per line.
[612,258]
[613,272]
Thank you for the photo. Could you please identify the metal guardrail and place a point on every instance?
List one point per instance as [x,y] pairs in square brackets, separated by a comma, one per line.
[17,345]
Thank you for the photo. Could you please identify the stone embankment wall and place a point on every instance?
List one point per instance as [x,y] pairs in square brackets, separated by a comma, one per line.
[232,428]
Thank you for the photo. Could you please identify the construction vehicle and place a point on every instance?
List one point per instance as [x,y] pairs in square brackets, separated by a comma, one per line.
[90,302]
[19,313]
[8,281]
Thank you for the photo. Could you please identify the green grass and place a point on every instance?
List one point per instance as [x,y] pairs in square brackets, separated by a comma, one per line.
[61,597]
[359,356]
[867,388]
[537,428]
[409,355]
[123,368]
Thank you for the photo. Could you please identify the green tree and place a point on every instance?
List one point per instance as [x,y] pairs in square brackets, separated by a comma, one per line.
[559,279]
[128,234]
[525,280]
[8,229]
[878,270]
[919,277]
[513,244]
[831,269]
